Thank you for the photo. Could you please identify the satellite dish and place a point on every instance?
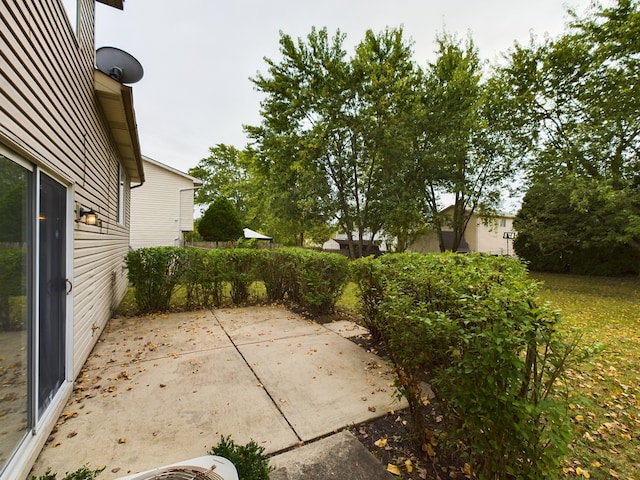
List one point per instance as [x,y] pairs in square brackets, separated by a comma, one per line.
[118,64]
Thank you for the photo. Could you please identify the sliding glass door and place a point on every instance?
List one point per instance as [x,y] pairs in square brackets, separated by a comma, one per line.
[52,289]
[33,298]
[16,249]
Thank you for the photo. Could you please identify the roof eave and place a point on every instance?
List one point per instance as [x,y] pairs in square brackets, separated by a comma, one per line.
[119,4]
[116,103]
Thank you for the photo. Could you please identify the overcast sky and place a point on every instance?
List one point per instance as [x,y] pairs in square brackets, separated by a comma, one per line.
[198,55]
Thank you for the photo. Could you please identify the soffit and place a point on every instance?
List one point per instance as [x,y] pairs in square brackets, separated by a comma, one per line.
[116,103]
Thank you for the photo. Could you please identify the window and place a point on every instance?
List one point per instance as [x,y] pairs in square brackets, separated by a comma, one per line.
[503,222]
[122,195]
[71,7]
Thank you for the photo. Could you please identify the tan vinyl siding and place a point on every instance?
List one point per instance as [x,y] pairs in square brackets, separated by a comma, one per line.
[155,205]
[49,115]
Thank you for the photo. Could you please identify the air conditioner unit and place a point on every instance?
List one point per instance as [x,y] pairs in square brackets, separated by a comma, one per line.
[209,467]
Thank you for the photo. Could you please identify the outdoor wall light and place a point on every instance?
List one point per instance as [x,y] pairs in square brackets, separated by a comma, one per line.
[90,217]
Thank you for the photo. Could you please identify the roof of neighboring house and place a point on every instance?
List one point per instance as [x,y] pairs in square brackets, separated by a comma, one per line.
[196,181]
[345,243]
[497,214]
[447,238]
[248,233]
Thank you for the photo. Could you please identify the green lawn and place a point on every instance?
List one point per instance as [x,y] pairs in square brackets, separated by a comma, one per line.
[605,389]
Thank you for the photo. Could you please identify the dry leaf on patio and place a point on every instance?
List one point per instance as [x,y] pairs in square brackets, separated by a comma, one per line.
[122,440]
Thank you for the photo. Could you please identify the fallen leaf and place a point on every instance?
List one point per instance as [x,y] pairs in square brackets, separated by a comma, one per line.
[381,442]
[428,449]
[393,469]
[122,440]
[408,465]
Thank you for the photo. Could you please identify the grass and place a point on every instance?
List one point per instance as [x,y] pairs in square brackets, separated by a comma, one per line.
[604,389]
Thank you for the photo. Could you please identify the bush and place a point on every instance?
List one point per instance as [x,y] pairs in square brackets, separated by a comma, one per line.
[248,459]
[472,324]
[154,272]
[319,280]
[240,266]
[83,473]
[204,275]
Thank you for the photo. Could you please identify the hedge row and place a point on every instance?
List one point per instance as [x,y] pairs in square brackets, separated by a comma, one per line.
[471,323]
[313,280]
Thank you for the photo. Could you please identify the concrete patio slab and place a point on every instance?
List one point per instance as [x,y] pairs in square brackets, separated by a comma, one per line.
[158,390]
[321,382]
[338,457]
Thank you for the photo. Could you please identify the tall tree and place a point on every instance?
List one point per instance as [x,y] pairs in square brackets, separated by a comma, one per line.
[324,117]
[459,149]
[225,173]
[220,222]
[574,109]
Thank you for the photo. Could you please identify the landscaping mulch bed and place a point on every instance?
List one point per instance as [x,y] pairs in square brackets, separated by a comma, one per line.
[389,439]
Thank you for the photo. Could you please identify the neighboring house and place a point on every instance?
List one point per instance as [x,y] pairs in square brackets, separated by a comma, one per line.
[340,245]
[69,151]
[162,209]
[481,236]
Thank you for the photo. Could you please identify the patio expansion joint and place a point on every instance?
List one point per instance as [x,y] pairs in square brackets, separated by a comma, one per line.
[266,390]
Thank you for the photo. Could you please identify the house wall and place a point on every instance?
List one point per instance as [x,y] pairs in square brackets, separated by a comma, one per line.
[480,236]
[489,237]
[49,117]
[155,207]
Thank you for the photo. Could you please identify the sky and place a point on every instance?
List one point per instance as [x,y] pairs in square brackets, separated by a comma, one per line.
[199,55]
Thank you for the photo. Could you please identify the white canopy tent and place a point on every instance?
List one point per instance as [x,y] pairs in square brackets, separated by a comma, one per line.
[249,234]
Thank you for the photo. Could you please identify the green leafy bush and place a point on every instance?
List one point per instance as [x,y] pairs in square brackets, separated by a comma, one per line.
[473,325]
[248,459]
[83,473]
[320,279]
[240,267]
[155,272]
[203,278]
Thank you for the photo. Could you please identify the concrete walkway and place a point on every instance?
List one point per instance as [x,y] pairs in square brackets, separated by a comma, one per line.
[162,389]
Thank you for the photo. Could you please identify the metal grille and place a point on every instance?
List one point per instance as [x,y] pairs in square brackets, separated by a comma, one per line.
[182,473]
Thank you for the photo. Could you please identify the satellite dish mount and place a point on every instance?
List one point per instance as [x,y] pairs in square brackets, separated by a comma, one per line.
[118,64]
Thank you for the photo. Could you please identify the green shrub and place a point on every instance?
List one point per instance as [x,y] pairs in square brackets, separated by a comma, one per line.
[154,272]
[83,473]
[276,268]
[240,265]
[203,278]
[248,459]
[320,279]
[472,323]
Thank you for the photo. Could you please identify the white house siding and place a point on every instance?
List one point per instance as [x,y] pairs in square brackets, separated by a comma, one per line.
[162,209]
[489,238]
[482,237]
[49,117]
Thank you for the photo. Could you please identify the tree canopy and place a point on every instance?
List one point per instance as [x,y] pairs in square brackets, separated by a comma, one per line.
[573,103]
[220,222]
